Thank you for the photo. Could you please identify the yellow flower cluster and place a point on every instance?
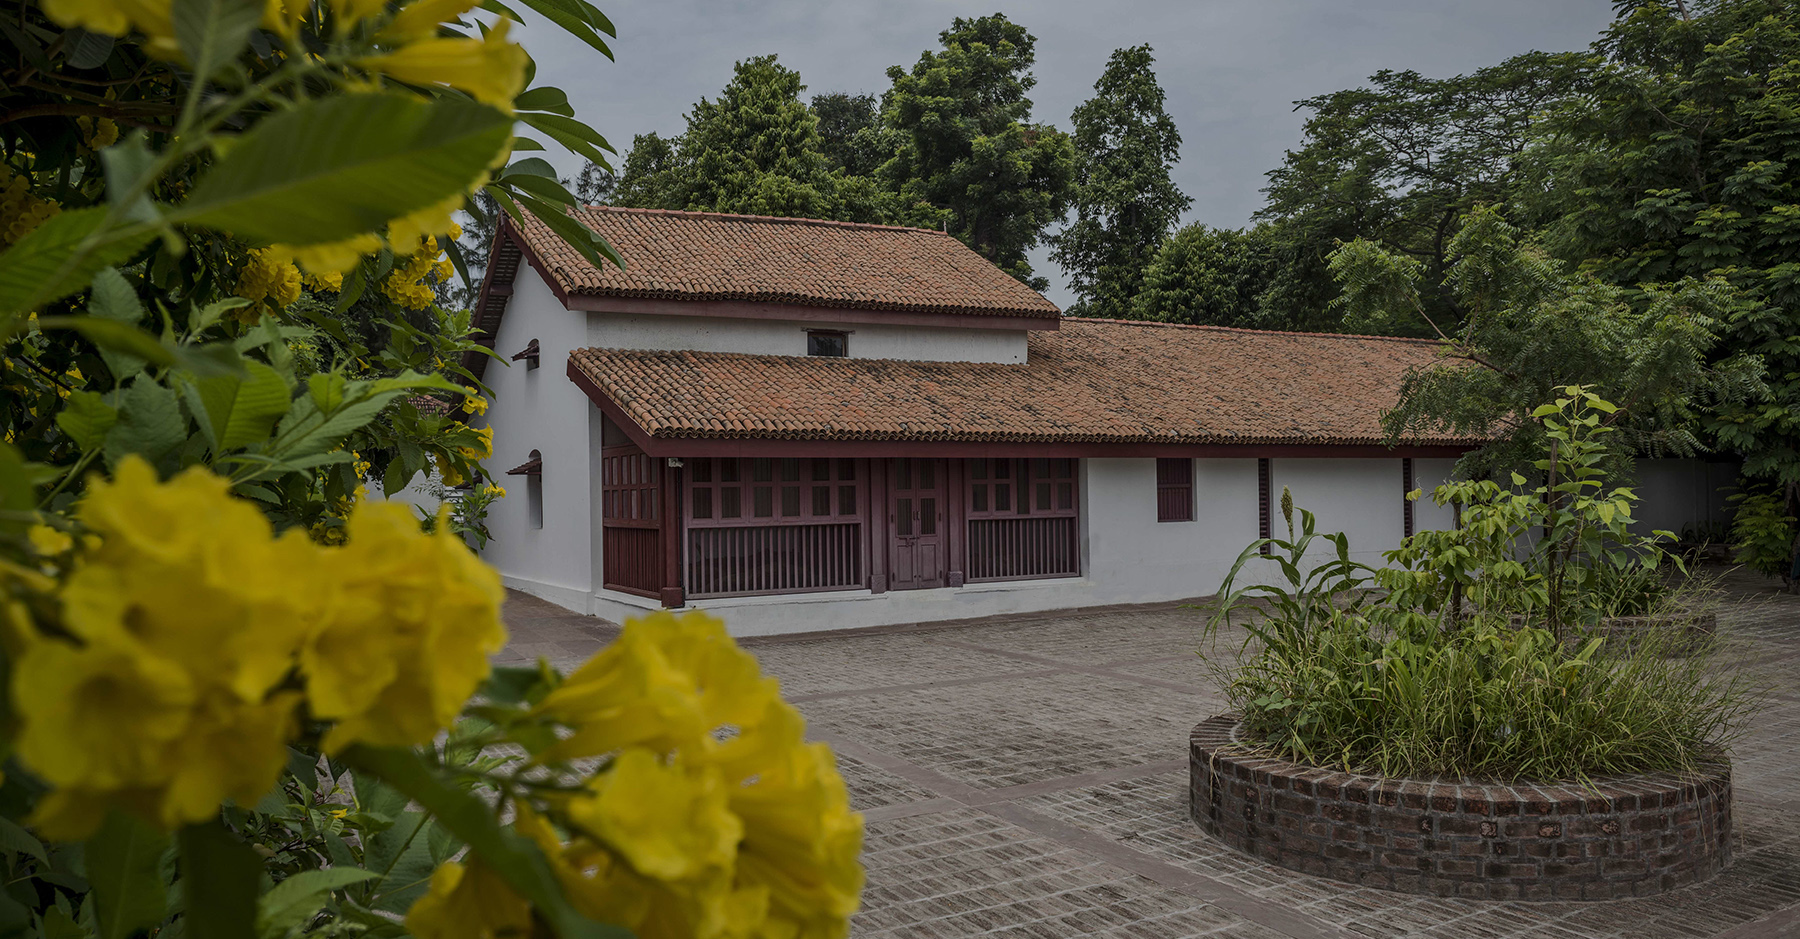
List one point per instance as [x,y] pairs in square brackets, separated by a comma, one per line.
[484,449]
[269,278]
[98,133]
[20,209]
[714,818]
[411,282]
[475,404]
[497,492]
[195,636]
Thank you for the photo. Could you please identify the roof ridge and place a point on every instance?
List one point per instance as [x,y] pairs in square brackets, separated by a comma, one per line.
[1244,329]
[769,219]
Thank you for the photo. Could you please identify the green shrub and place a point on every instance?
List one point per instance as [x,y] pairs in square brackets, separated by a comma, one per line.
[1437,674]
[1763,533]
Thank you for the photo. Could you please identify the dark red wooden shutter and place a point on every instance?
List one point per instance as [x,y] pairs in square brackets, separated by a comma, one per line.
[1406,488]
[1174,490]
[1263,528]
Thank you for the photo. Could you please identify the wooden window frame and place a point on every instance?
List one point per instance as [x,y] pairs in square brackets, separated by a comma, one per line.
[1174,489]
[981,482]
[706,475]
[842,334]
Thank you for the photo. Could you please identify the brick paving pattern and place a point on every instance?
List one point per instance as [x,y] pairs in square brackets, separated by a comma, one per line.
[1027,777]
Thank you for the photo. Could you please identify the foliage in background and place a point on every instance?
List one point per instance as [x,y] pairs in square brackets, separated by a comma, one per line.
[1434,676]
[1399,163]
[1763,531]
[1124,201]
[755,151]
[1680,162]
[225,671]
[1525,326]
[968,144]
[1209,276]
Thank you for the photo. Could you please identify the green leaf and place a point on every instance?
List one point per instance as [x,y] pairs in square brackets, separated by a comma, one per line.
[576,235]
[290,904]
[530,166]
[578,19]
[86,418]
[343,166]
[512,855]
[242,412]
[113,299]
[150,422]
[306,429]
[220,875]
[114,336]
[86,50]
[127,163]
[19,841]
[571,133]
[124,867]
[62,255]
[58,924]
[213,32]
[545,98]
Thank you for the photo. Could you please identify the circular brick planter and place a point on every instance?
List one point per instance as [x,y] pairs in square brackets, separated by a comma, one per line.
[1627,836]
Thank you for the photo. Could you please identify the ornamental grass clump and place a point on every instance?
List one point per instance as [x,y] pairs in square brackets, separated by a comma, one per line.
[1479,651]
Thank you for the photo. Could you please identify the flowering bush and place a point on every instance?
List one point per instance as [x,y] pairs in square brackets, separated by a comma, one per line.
[237,698]
[173,655]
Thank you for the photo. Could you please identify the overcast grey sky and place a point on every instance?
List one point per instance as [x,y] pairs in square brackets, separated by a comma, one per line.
[1232,68]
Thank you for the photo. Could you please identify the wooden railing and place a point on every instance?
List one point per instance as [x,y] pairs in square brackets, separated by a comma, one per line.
[774,559]
[631,559]
[1023,548]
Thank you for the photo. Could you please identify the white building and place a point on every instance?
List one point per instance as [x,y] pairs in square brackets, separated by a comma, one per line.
[807,425]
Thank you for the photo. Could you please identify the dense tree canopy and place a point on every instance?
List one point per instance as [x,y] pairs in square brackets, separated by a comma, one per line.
[1684,161]
[1530,326]
[968,144]
[1204,275]
[1124,201]
[1400,162]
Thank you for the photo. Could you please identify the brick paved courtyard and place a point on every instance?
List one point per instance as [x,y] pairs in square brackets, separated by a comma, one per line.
[1025,778]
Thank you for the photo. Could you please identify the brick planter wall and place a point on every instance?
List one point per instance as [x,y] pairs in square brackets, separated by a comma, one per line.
[1629,836]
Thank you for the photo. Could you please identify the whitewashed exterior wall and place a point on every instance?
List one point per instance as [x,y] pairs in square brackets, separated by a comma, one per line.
[788,337]
[540,409]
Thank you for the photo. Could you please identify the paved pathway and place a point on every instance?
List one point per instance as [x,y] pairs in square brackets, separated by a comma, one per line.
[1026,777]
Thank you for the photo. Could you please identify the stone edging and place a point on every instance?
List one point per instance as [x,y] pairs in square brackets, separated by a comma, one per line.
[1627,836]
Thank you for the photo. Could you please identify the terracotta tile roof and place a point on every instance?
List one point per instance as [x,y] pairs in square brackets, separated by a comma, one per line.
[711,256]
[1092,381]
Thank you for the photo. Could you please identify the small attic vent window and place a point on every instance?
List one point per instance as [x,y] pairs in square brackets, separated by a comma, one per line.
[827,342]
[529,354]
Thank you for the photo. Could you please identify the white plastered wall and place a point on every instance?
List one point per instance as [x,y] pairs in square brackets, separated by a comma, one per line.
[540,409]
[1363,498]
[788,337]
[1428,474]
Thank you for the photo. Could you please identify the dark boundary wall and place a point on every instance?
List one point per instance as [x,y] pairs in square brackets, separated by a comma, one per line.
[1626,836]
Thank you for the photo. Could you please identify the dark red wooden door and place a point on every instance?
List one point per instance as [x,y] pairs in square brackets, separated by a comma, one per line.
[916,523]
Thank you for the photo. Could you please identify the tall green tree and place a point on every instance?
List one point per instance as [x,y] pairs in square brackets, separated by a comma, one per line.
[968,145]
[1683,160]
[1532,325]
[1399,162]
[851,134]
[1208,276]
[758,150]
[1125,202]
